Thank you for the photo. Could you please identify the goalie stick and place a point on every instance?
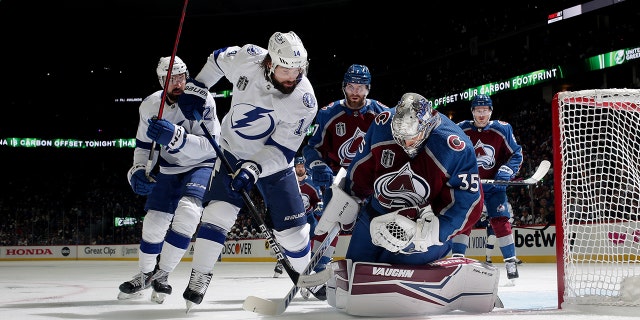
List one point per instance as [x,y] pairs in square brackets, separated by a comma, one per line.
[279,306]
[543,168]
[306,280]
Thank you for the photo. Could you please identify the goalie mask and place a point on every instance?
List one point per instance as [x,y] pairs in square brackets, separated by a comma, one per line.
[413,121]
[286,50]
[179,67]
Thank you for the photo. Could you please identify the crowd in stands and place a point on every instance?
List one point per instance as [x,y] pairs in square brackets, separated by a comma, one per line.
[75,195]
[80,195]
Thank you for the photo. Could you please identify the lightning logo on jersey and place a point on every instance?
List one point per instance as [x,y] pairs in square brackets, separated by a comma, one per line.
[247,119]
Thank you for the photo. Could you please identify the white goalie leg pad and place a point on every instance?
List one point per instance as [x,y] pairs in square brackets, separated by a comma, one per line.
[338,284]
[385,290]
[295,239]
[342,209]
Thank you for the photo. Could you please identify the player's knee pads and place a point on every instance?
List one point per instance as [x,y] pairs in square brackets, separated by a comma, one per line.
[155,226]
[491,240]
[294,239]
[220,213]
[501,226]
[187,216]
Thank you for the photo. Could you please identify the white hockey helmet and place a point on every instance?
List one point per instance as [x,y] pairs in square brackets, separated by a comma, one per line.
[179,67]
[286,50]
[413,121]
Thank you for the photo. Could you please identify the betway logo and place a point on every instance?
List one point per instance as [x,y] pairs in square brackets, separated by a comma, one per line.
[391,272]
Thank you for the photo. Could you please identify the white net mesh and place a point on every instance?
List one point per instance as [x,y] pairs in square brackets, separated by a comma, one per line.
[599,146]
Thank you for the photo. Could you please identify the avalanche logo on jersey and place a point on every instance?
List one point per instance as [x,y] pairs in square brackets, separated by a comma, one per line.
[485,154]
[348,149]
[306,201]
[251,122]
[400,189]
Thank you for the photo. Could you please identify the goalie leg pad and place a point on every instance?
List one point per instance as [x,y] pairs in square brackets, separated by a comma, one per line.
[342,208]
[386,290]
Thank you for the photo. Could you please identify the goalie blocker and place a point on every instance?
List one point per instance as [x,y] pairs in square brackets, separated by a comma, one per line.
[385,290]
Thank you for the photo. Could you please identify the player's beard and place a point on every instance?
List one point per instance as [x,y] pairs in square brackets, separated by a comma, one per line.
[173,95]
[282,88]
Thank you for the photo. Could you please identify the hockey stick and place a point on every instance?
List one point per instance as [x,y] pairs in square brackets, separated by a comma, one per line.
[164,89]
[279,306]
[543,168]
[277,249]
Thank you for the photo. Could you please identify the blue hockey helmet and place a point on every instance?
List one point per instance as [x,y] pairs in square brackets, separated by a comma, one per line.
[298,160]
[358,74]
[482,100]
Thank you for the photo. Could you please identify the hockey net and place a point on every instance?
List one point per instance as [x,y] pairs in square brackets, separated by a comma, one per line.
[597,193]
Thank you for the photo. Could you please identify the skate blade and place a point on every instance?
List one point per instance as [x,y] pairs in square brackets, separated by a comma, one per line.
[158,297]
[304,292]
[190,305]
[129,296]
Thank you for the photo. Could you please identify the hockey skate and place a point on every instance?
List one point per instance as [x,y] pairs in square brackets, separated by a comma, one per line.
[161,286]
[132,289]
[197,287]
[512,268]
[320,292]
[277,271]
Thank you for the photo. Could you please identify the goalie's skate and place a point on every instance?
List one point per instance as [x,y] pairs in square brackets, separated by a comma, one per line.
[132,289]
[198,284]
[161,286]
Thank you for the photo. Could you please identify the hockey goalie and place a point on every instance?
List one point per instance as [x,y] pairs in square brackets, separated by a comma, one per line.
[411,187]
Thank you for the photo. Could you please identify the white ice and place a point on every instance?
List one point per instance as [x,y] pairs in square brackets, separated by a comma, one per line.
[85,290]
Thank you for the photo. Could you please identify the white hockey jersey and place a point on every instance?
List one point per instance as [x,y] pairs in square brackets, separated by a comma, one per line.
[263,124]
[197,151]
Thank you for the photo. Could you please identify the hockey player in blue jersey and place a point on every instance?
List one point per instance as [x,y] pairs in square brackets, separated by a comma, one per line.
[499,157]
[416,179]
[272,106]
[340,127]
[174,195]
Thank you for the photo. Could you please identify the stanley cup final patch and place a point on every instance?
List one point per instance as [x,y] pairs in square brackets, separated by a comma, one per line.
[309,100]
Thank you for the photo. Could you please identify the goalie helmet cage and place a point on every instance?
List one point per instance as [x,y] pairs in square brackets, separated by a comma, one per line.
[596,141]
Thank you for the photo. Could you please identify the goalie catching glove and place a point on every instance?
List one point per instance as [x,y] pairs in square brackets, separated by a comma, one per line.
[398,232]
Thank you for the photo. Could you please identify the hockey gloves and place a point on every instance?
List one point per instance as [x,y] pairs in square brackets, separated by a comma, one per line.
[193,100]
[504,173]
[246,176]
[399,231]
[138,180]
[321,174]
[167,134]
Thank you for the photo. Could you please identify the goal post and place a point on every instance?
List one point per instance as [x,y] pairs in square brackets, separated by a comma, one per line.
[596,141]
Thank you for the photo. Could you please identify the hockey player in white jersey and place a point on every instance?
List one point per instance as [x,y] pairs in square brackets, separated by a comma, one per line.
[272,106]
[175,193]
